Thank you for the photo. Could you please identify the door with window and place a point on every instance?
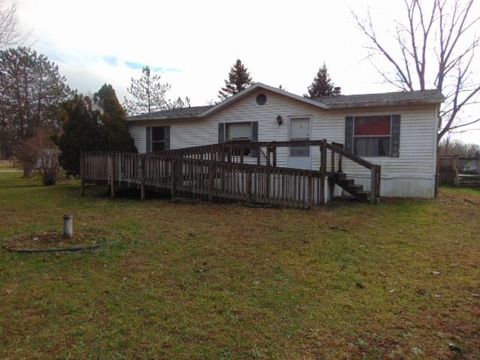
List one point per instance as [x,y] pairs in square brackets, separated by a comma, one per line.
[299,157]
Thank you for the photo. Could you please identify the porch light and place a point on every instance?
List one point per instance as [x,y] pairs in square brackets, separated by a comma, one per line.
[279,120]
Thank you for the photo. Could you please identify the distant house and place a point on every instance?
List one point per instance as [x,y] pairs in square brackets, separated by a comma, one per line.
[396,130]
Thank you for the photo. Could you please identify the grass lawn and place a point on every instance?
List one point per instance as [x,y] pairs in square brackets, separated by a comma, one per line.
[400,280]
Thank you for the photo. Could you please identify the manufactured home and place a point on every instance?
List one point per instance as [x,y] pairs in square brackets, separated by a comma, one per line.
[397,131]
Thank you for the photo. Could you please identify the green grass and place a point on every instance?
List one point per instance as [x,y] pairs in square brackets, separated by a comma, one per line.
[210,281]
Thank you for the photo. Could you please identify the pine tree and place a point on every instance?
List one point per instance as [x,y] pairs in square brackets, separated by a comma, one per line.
[179,103]
[92,126]
[81,132]
[238,79]
[113,119]
[322,85]
[31,89]
[147,93]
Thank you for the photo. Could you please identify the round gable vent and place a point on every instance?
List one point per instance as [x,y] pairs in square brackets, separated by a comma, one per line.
[261,99]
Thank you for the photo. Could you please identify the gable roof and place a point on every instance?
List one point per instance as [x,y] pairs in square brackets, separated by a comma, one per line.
[326,103]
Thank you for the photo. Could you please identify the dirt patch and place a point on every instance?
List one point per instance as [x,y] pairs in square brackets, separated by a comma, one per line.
[53,241]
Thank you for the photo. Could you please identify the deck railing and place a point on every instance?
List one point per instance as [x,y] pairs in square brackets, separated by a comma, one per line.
[219,172]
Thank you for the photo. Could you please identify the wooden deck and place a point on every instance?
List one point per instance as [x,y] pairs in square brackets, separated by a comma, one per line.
[459,171]
[219,173]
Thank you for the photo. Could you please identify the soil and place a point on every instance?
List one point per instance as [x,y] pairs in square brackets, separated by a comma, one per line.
[51,240]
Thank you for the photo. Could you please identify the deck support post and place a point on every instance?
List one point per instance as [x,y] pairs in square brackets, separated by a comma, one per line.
[142,178]
[331,189]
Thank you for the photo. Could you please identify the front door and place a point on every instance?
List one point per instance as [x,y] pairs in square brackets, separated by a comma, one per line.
[299,157]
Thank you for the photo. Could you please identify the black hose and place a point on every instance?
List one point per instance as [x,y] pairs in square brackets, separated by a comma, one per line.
[72,249]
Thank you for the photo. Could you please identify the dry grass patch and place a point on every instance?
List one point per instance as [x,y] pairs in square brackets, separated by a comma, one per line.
[398,280]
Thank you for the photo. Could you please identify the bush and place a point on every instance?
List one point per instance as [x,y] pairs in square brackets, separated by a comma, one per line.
[48,165]
[40,153]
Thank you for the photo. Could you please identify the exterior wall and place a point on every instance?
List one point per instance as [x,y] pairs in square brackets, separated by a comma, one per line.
[412,174]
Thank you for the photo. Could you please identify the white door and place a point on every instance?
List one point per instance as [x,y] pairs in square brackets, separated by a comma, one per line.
[300,157]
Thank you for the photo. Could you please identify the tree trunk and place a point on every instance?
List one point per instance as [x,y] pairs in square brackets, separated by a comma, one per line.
[27,169]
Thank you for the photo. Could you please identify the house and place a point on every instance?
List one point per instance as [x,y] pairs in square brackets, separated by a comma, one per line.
[397,131]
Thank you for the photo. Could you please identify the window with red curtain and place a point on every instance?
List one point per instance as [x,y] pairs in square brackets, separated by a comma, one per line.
[372,135]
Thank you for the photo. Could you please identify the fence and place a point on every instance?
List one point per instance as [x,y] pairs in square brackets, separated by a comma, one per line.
[218,172]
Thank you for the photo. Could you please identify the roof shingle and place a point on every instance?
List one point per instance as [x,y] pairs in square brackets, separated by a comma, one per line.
[179,113]
[382,99]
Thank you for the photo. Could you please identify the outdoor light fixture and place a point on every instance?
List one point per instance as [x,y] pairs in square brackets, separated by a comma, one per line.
[279,120]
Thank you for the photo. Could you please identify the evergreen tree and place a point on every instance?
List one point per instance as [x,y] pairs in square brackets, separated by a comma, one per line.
[31,89]
[92,126]
[179,103]
[81,132]
[113,121]
[322,85]
[147,93]
[238,79]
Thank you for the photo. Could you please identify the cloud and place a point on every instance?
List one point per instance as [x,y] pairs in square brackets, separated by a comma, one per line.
[158,69]
[134,65]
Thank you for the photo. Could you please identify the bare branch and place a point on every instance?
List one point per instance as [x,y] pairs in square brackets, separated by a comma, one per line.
[440,38]
[465,124]
[9,33]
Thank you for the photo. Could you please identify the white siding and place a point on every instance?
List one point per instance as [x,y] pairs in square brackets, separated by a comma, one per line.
[411,174]
[139,135]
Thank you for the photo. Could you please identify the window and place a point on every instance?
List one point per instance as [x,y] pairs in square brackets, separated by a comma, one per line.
[261,99]
[300,130]
[372,135]
[158,138]
[239,131]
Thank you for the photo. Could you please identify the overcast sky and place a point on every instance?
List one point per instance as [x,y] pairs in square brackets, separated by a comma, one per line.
[193,44]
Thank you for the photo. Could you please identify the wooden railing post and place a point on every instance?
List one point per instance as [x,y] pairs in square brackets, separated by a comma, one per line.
[340,157]
[323,157]
[332,161]
[274,153]
[174,177]
[112,174]
[142,177]
[82,174]
[310,191]
[211,181]
[374,183]
[249,186]
[269,150]
[323,170]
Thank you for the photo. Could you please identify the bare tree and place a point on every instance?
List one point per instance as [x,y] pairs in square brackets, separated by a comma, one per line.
[9,33]
[434,47]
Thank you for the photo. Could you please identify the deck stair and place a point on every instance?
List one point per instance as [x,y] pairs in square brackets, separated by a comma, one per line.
[355,190]
[468,180]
